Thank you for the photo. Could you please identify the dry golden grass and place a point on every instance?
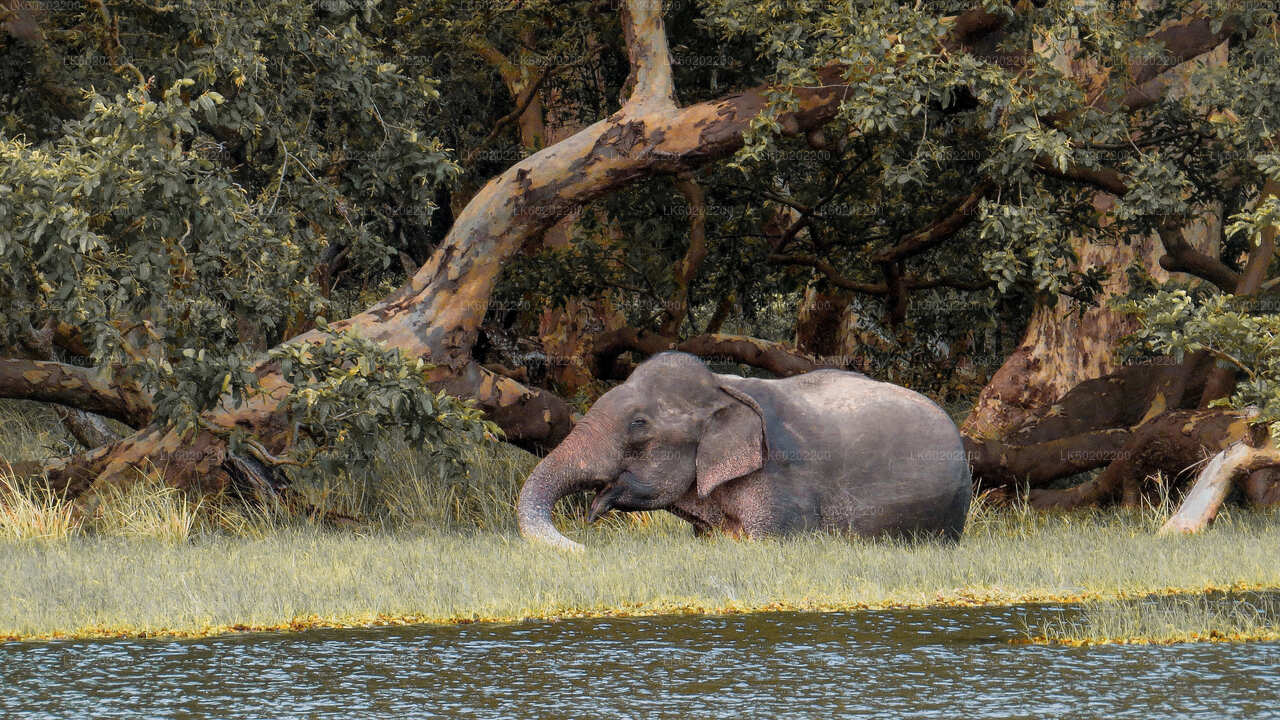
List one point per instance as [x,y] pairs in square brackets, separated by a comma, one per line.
[147,509]
[33,513]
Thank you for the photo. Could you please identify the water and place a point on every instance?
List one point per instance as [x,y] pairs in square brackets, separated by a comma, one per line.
[937,663]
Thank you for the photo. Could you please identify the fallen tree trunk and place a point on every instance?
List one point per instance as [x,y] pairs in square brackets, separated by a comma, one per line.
[1201,504]
[1168,444]
[74,387]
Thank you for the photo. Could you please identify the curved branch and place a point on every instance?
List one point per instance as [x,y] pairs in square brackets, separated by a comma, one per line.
[832,275]
[75,387]
[1101,178]
[961,214]
[1181,256]
[1148,78]
[677,308]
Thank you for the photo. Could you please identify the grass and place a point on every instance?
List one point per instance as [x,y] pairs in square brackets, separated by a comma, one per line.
[300,576]
[1169,619]
[33,513]
[437,544]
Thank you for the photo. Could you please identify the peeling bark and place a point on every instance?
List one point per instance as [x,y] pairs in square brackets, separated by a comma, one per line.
[90,430]
[74,387]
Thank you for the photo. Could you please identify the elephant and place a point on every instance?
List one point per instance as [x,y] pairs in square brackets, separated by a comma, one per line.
[826,450]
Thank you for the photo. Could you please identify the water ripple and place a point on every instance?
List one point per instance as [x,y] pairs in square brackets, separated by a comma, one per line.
[941,663]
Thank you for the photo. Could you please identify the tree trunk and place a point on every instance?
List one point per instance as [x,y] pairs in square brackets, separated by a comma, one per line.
[1062,348]
[1200,505]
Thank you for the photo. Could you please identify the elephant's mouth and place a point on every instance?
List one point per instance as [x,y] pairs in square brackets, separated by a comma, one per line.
[604,500]
[628,492]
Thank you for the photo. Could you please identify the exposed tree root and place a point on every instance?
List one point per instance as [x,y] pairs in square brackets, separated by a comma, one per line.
[1171,444]
[1088,428]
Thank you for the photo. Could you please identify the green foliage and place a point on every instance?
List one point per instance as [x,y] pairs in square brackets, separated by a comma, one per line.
[1241,333]
[350,395]
[188,184]
[183,186]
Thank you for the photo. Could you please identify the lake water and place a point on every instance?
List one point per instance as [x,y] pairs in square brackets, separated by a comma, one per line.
[935,663]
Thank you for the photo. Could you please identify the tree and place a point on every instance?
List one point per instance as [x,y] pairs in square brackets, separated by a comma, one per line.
[931,167]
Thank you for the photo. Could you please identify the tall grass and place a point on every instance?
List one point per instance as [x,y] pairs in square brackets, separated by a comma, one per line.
[298,574]
[147,509]
[33,512]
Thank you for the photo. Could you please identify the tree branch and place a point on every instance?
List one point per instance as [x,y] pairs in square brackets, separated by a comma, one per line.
[650,83]
[523,99]
[75,387]
[677,308]
[1148,78]
[1101,178]
[1182,257]
[780,359]
[962,212]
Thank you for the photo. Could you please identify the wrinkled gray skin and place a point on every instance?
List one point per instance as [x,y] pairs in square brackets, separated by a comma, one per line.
[824,450]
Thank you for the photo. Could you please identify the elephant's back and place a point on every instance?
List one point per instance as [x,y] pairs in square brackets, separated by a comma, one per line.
[898,460]
[854,396]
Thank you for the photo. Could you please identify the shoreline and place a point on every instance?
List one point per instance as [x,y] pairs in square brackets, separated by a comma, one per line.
[966,599]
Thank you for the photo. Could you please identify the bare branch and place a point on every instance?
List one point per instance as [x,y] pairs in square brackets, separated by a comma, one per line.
[1181,256]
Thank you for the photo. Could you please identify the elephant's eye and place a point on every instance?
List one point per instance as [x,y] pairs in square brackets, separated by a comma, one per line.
[639,424]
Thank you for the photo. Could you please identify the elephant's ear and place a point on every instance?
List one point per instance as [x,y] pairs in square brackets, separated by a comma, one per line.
[733,443]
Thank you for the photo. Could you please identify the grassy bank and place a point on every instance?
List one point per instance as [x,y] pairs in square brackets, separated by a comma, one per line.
[1169,619]
[299,576]
[436,542]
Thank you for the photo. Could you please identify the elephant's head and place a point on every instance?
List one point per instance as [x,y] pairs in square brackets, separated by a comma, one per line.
[671,427]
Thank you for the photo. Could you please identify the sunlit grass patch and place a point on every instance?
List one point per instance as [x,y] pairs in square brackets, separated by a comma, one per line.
[146,509]
[1169,619]
[431,541]
[305,575]
[33,511]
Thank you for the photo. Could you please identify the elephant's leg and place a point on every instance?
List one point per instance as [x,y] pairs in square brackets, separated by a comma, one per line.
[701,513]
[751,508]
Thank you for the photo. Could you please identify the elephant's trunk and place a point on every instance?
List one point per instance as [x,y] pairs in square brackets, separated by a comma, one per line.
[564,471]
